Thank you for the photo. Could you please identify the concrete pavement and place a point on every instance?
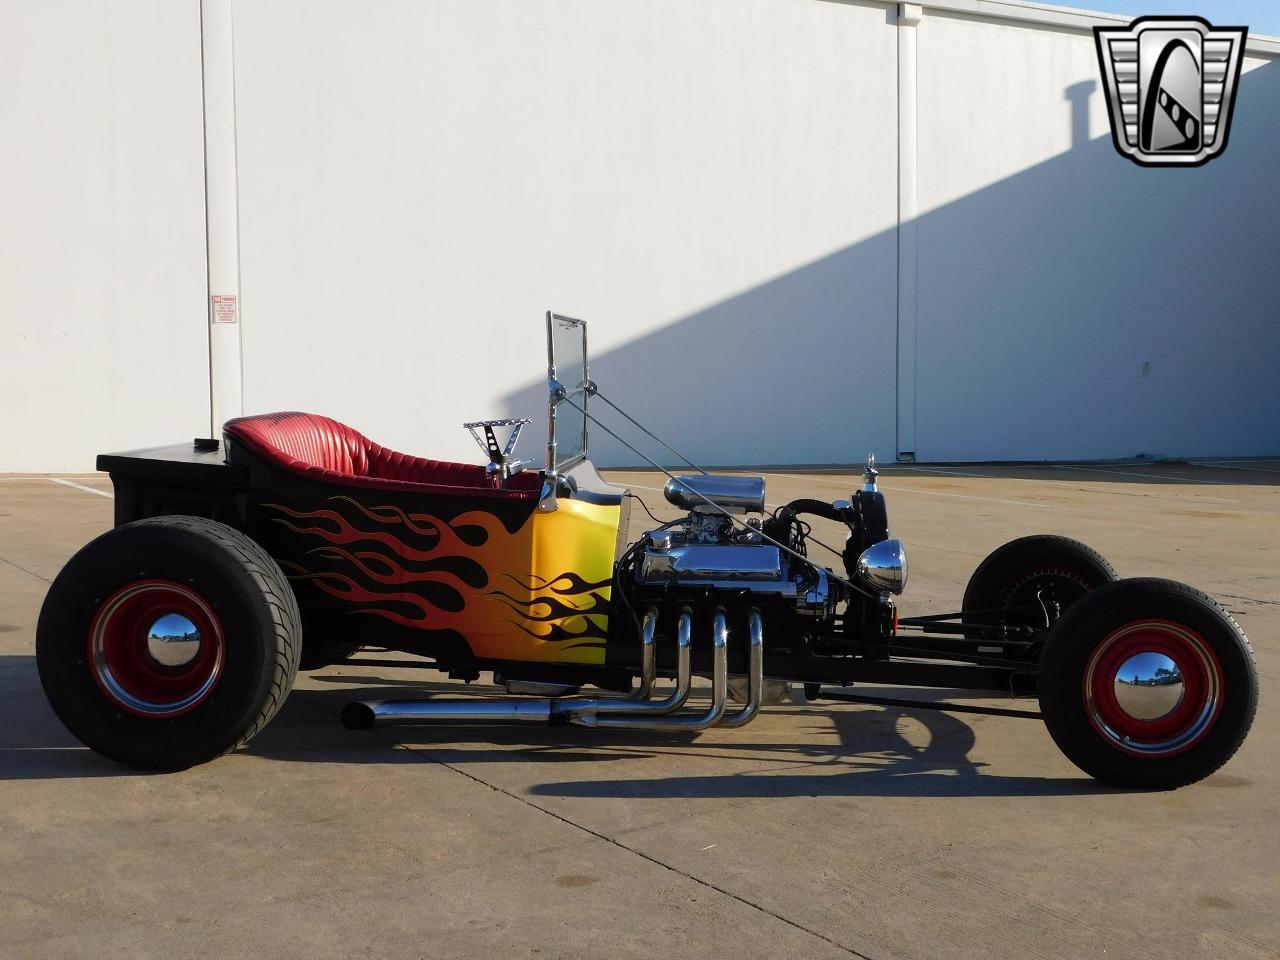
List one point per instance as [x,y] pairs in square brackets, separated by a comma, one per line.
[820,830]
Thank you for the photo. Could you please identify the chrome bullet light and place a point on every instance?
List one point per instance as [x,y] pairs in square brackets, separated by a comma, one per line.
[883,565]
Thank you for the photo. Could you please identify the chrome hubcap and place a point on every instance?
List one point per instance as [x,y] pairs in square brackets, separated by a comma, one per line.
[1149,686]
[174,640]
[156,648]
[1153,688]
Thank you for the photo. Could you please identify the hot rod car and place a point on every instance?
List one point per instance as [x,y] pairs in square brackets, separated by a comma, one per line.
[294,540]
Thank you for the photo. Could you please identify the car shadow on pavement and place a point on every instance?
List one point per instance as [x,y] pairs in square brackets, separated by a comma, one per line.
[34,745]
[790,751]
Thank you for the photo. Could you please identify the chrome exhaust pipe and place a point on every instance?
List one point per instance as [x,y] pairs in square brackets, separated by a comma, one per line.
[684,722]
[755,673]
[584,711]
[648,663]
[629,713]
[361,715]
[648,673]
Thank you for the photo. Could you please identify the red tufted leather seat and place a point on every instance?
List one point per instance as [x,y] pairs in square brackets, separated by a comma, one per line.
[331,451]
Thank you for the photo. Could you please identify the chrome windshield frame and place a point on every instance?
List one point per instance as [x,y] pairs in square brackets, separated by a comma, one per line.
[558,391]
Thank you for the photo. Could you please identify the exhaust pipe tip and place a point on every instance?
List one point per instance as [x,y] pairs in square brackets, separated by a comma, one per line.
[357,716]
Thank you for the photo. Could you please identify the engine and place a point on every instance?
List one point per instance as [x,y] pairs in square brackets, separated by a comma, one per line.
[706,551]
[708,557]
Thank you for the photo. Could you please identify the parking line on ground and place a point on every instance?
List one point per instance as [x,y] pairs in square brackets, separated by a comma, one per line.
[978,476]
[987,476]
[930,493]
[1130,473]
[963,496]
[80,486]
[1226,466]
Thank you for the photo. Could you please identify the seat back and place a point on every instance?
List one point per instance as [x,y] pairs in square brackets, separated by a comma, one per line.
[326,449]
[306,439]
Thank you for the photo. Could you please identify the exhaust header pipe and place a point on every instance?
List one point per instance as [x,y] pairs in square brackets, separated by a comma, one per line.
[755,674]
[591,717]
[633,712]
[584,711]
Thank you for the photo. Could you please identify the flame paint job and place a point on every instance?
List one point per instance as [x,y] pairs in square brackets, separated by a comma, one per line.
[537,593]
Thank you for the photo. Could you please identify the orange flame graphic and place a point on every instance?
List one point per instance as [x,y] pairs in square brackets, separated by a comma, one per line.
[470,575]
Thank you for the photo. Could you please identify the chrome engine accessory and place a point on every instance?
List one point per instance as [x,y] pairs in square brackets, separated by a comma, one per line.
[687,722]
[585,712]
[884,566]
[755,674]
[713,565]
[735,494]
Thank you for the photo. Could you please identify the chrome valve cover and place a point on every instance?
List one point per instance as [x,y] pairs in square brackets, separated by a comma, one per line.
[670,557]
[713,563]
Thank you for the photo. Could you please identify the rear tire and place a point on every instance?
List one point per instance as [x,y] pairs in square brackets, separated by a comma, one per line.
[106,645]
[1058,569]
[1191,693]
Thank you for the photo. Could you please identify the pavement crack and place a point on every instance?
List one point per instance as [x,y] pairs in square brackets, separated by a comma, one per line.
[427,756]
[1235,596]
[29,573]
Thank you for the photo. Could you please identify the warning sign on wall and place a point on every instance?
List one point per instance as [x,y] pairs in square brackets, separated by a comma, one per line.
[224,308]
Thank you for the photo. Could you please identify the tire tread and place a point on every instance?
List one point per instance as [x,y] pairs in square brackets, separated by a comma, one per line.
[276,599]
[1057,706]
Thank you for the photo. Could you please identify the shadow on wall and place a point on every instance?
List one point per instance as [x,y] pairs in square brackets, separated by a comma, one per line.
[1084,308]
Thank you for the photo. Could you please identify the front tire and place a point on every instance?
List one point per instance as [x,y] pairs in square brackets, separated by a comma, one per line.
[1148,683]
[168,642]
[1025,580]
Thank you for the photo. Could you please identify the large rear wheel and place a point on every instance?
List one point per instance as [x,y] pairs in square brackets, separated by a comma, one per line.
[168,642]
[1148,683]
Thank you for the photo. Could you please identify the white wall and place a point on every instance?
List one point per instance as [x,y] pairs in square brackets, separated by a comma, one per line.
[102,266]
[1052,271]
[712,183]
[419,183]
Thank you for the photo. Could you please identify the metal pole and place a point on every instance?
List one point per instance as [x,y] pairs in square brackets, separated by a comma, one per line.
[222,217]
[909,16]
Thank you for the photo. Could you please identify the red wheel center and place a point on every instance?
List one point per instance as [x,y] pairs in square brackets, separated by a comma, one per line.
[1153,688]
[156,648]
